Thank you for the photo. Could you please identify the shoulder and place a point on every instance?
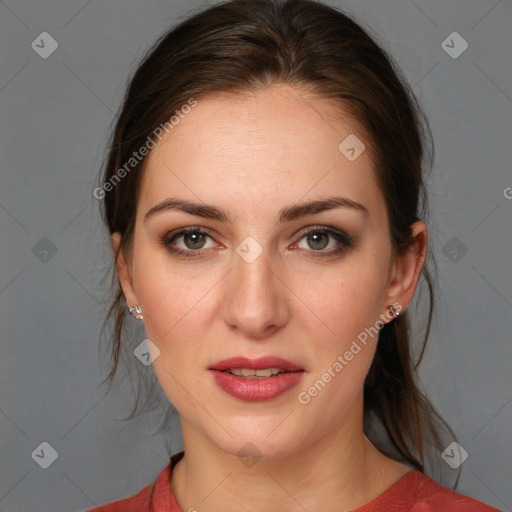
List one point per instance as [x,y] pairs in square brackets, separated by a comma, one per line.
[150,498]
[422,494]
[137,503]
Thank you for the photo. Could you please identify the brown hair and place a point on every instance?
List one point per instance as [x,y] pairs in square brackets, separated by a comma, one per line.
[244,45]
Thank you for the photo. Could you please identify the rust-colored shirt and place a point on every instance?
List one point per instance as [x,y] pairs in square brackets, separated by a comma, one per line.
[414,492]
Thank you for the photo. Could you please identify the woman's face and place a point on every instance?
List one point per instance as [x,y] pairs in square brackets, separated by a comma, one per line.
[257,280]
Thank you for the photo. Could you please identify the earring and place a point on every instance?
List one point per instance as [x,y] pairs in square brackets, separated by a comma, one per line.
[136,312]
[393,311]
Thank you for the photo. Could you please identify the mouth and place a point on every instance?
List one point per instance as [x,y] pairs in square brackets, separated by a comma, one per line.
[256,379]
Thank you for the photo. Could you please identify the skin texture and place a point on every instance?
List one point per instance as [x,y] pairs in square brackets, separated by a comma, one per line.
[253,154]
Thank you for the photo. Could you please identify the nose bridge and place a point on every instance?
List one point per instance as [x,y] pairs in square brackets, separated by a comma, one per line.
[256,301]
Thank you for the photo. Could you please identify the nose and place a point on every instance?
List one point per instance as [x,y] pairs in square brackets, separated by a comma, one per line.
[257,299]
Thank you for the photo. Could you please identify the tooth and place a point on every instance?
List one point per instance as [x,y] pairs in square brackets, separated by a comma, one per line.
[245,372]
[264,373]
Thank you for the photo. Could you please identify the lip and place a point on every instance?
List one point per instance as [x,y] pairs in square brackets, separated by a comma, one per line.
[255,390]
[256,364]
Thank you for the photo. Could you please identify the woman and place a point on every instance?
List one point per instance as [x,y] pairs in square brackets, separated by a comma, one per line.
[263,193]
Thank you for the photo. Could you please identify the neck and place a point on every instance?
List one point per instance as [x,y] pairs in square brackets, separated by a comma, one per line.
[340,471]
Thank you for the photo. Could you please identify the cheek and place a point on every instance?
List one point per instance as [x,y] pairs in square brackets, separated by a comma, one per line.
[175,309]
[175,312]
[167,292]
[345,328]
[345,302]
[341,358]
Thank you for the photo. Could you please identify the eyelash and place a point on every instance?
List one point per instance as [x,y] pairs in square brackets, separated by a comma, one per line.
[341,237]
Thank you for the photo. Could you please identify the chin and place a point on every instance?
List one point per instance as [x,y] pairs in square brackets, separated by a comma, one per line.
[252,442]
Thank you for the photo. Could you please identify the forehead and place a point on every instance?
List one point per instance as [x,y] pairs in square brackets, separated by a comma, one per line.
[255,148]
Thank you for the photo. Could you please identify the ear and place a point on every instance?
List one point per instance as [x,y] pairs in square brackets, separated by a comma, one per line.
[123,268]
[406,268]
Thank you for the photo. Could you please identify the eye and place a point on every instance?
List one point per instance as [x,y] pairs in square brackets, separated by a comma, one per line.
[192,242]
[320,241]
[320,238]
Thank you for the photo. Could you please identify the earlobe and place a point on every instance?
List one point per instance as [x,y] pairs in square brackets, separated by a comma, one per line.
[123,270]
[408,266]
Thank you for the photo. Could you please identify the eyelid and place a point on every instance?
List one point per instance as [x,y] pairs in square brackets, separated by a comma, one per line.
[322,227]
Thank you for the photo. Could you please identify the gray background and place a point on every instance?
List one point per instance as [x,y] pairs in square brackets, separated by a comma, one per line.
[56,115]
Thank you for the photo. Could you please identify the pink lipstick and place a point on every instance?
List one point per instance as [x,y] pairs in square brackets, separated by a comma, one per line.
[256,379]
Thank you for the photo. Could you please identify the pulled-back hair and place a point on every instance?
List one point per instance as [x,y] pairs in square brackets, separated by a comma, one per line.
[248,45]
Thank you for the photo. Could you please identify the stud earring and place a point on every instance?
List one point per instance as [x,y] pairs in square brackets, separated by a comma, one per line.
[136,312]
[393,311]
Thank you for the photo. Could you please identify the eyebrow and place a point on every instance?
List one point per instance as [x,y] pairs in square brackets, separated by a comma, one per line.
[287,214]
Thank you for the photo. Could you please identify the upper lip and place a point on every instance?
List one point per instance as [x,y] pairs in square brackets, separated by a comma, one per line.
[255,364]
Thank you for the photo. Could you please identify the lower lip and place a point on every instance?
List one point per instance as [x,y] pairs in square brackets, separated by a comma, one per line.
[255,390]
